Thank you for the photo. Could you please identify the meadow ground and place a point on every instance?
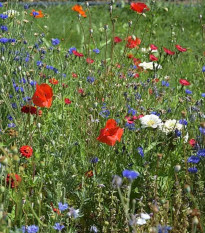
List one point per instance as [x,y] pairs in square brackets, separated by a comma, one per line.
[102,118]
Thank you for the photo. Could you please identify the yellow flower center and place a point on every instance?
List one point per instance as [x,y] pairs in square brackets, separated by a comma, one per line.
[150,123]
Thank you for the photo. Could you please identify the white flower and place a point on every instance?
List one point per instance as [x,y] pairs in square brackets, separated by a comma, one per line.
[170,126]
[11,13]
[73,213]
[141,221]
[150,65]
[152,121]
[145,216]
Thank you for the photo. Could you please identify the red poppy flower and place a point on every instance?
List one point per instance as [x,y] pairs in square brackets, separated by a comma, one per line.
[36,14]
[67,101]
[53,81]
[150,91]
[89,60]
[74,75]
[133,42]
[40,113]
[111,133]
[81,91]
[56,210]
[153,58]
[117,39]
[13,180]
[184,82]
[77,54]
[26,151]
[192,142]
[139,7]
[42,97]
[79,9]
[180,49]
[167,51]
[29,109]
[153,47]
[136,75]
[89,173]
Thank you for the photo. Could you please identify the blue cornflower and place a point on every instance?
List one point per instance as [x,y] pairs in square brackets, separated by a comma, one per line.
[27,59]
[4,40]
[55,41]
[96,51]
[39,63]
[105,113]
[1,5]
[49,67]
[94,160]
[32,83]
[23,80]
[4,28]
[188,92]
[12,40]
[55,71]
[201,152]
[163,229]
[132,111]
[193,159]
[26,6]
[192,170]
[11,125]
[130,126]
[71,50]
[62,207]
[35,13]
[14,105]
[3,16]
[202,130]
[32,229]
[90,79]
[178,133]
[155,113]
[183,122]
[131,175]
[203,69]
[140,151]
[58,226]
[93,229]
[165,83]
[27,98]
[203,94]
[9,117]
[23,229]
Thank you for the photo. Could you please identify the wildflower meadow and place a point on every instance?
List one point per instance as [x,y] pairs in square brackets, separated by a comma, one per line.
[102,117]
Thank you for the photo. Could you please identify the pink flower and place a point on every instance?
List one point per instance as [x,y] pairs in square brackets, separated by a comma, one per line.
[89,60]
[180,49]
[153,58]
[169,52]
[153,47]
[67,101]
[184,82]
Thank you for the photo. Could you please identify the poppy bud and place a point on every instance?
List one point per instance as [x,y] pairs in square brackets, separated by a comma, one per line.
[2,189]
[106,27]
[91,31]
[202,124]
[183,113]
[16,158]
[177,168]
[111,9]
[130,23]
[187,188]
[195,220]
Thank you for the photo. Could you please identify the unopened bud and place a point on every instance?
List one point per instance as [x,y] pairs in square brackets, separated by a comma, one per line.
[16,158]
[200,16]
[130,23]
[195,220]
[202,124]
[187,188]
[91,31]
[110,8]
[177,168]
[106,27]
